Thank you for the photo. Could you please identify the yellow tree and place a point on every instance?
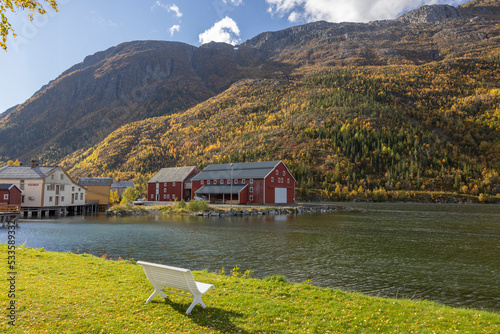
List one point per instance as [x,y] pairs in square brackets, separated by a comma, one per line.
[13,6]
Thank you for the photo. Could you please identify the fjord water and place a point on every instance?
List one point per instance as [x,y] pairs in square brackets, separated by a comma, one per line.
[446,253]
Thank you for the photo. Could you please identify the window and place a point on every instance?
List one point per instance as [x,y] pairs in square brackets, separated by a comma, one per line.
[173,184]
[6,196]
[251,181]
[62,176]
[215,181]
[62,198]
[208,181]
[79,189]
[22,185]
[51,187]
[287,180]
[168,196]
[81,196]
[251,189]
[243,181]
[72,188]
[52,177]
[272,179]
[61,187]
[202,182]
[221,181]
[229,181]
[277,172]
[251,198]
[152,196]
[165,196]
[165,184]
[22,198]
[173,196]
[164,190]
[50,198]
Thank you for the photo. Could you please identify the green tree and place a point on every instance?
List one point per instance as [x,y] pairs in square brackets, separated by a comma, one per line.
[14,5]
[129,195]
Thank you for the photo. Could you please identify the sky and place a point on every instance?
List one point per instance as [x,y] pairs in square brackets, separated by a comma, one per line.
[50,44]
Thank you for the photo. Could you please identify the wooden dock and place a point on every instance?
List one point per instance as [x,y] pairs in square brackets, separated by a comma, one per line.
[9,214]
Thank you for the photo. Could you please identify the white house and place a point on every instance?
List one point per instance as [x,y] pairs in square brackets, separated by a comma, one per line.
[44,186]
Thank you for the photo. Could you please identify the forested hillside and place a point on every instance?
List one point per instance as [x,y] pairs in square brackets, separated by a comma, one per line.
[345,132]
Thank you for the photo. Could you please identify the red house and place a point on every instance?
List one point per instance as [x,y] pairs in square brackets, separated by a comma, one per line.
[10,194]
[171,184]
[264,182]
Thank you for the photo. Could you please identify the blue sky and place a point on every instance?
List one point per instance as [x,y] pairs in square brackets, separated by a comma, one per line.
[51,44]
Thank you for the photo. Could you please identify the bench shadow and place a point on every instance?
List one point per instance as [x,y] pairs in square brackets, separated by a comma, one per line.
[210,317]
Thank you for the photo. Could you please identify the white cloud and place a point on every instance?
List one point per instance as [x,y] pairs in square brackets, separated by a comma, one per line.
[341,10]
[175,9]
[172,8]
[234,2]
[225,30]
[174,29]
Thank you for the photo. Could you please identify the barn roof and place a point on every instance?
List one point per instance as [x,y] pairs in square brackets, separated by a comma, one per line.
[172,174]
[220,189]
[123,184]
[247,170]
[25,172]
[6,186]
[95,181]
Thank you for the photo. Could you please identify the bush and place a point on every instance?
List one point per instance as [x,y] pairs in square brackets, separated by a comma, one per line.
[182,204]
[194,206]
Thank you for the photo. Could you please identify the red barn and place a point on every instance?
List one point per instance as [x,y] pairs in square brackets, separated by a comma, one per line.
[265,182]
[171,184]
[10,194]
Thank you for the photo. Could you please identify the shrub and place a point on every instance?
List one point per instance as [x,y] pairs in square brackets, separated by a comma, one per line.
[194,206]
[182,204]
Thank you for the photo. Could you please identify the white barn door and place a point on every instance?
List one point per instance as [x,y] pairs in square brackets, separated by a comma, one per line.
[280,195]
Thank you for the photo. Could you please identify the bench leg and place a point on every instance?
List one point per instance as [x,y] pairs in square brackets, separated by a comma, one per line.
[197,300]
[156,292]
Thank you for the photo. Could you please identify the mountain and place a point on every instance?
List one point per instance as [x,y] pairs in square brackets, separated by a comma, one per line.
[405,104]
[123,84]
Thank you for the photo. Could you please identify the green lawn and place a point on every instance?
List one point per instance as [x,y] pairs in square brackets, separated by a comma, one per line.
[81,293]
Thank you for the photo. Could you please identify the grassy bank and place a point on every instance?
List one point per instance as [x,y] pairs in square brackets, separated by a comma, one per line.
[81,293]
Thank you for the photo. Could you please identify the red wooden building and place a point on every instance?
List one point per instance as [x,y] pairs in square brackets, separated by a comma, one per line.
[171,184]
[10,194]
[264,182]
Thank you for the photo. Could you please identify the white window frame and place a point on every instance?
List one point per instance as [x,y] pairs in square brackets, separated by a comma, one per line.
[251,198]
[173,184]
[272,178]
[202,182]
[6,196]
[251,189]
[251,181]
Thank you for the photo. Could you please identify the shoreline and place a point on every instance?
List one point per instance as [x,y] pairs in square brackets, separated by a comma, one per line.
[223,211]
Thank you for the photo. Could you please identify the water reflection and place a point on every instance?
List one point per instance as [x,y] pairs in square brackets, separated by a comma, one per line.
[446,253]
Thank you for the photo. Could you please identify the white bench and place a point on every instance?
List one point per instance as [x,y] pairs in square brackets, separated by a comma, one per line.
[177,278]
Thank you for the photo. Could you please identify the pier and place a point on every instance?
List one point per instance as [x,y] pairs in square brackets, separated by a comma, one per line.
[9,214]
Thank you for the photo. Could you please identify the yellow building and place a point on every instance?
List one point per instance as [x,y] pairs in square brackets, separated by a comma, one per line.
[97,189]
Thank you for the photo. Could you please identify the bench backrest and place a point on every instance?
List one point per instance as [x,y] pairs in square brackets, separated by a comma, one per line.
[161,275]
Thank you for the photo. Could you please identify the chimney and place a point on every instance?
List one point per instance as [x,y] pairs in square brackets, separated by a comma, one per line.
[33,163]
